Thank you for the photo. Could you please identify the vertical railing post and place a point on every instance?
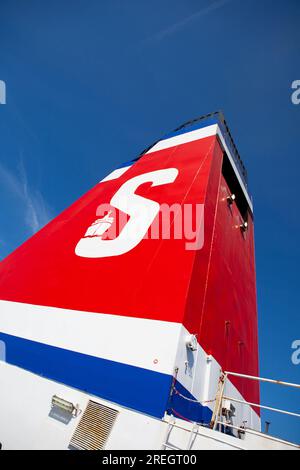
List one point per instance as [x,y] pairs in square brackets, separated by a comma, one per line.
[219,400]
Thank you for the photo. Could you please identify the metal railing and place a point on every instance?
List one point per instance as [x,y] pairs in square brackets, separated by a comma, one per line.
[217,414]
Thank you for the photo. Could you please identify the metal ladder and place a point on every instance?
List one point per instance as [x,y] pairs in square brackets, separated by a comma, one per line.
[193,434]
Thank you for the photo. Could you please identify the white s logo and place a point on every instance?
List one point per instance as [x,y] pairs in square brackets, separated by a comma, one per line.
[142,213]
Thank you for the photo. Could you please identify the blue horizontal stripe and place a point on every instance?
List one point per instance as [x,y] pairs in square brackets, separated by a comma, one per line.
[182,407]
[140,389]
[134,387]
[193,127]
[202,123]
[128,163]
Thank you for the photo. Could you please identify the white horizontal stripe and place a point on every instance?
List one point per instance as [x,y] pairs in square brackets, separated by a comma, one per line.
[197,135]
[116,173]
[184,138]
[134,341]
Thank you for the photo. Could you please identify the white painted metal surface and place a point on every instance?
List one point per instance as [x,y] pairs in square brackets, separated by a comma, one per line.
[149,344]
[27,422]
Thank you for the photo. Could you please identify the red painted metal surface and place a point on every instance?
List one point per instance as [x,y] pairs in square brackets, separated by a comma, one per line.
[221,307]
[150,281]
[210,291]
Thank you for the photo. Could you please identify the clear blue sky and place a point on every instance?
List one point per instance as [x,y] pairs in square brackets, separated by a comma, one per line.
[92,83]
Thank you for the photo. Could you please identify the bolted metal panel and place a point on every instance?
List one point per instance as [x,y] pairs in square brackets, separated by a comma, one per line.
[94,427]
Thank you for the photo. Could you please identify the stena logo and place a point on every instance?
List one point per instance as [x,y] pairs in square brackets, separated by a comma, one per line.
[142,212]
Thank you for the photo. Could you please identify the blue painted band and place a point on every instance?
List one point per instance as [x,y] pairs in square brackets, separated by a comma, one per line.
[186,409]
[133,387]
[136,388]
[193,127]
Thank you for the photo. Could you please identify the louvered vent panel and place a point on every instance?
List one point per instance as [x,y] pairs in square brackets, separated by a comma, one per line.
[94,427]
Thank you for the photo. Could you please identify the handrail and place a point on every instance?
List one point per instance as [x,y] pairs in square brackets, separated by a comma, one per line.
[257,433]
[221,396]
[207,436]
[262,406]
[261,379]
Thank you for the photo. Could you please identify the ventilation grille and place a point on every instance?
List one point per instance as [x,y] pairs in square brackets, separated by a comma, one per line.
[94,427]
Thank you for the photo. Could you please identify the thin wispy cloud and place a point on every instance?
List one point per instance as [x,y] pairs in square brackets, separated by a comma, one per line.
[36,211]
[176,27]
